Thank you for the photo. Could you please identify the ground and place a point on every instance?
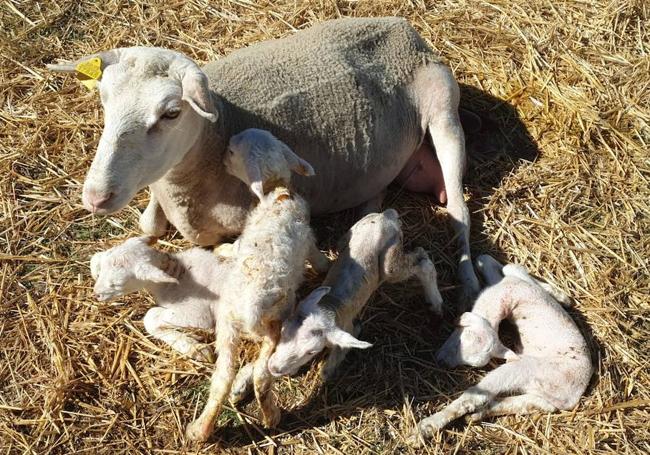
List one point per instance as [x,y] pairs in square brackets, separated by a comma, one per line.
[558,181]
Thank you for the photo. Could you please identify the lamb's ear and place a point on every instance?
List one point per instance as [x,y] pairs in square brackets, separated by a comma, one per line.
[309,302]
[502,352]
[254,175]
[343,339]
[197,93]
[147,272]
[107,57]
[297,164]
[467,319]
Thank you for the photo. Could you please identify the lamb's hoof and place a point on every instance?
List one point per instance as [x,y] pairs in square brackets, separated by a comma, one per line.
[150,227]
[198,431]
[202,353]
[475,417]
[271,418]
[415,439]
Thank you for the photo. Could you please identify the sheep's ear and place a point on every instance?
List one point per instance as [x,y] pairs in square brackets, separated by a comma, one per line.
[297,164]
[147,272]
[254,175]
[502,352]
[197,93]
[467,319]
[315,296]
[344,340]
[107,57]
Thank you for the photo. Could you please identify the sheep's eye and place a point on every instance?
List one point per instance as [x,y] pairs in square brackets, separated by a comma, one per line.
[171,114]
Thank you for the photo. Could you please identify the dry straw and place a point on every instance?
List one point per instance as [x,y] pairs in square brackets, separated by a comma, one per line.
[564,84]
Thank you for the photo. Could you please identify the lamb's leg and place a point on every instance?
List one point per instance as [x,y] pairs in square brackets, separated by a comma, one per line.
[262,378]
[153,220]
[448,139]
[489,268]
[372,205]
[319,262]
[220,384]
[243,382]
[508,377]
[163,323]
[399,266]
[520,404]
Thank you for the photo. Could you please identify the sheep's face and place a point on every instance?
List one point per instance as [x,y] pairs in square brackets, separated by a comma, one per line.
[306,334]
[472,343]
[153,102]
[126,268]
[260,160]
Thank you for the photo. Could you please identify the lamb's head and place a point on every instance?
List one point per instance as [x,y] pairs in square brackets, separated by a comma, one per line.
[473,343]
[153,100]
[262,161]
[306,334]
[129,267]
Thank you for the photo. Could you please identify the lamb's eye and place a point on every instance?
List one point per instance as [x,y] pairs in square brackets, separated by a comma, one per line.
[171,114]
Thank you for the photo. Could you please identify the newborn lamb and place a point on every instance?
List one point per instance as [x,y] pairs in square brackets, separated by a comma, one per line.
[258,294]
[370,253]
[184,286]
[550,371]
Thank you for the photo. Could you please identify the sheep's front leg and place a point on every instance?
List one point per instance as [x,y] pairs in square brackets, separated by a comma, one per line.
[153,220]
[520,404]
[220,384]
[262,378]
[449,141]
[243,382]
[164,323]
[508,377]
[399,266]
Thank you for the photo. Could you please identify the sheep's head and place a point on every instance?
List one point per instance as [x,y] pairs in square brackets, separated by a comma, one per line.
[262,161]
[128,268]
[473,343]
[153,99]
[306,334]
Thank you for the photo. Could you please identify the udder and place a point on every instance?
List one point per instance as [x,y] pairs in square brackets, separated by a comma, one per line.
[422,173]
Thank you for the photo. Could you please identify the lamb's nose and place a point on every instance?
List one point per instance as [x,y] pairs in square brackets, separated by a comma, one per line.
[98,199]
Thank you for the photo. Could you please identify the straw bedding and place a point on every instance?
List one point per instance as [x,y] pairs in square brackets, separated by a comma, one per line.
[558,181]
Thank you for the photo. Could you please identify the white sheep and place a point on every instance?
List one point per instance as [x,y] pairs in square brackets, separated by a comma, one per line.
[358,98]
[258,293]
[551,369]
[370,254]
[184,286]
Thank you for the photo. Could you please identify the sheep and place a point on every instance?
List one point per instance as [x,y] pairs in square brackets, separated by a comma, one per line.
[369,254]
[550,371]
[184,286]
[356,97]
[257,294]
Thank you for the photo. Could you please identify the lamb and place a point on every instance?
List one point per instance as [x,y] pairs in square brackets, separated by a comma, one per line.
[376,93]
[550,371]
[370,253]
[258,293]
[184,286]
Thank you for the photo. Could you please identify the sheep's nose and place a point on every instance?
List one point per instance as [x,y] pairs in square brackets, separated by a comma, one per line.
[98,199]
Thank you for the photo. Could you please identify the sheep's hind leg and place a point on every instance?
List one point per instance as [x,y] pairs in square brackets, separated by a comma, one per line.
[164,324]
[220,384]
[262,378]
[243,382]
[153,220]
[519,404]
[449,141]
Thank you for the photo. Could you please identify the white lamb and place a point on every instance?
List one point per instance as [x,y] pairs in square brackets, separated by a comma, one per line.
[184,286]
[258,294]
[551,369]
[369,254]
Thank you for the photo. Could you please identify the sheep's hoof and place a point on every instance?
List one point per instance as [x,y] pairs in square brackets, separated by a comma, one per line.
[415,439]
[198,431]
[271,418]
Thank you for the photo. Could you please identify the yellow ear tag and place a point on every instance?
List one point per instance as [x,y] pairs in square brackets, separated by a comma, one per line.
[89,72]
